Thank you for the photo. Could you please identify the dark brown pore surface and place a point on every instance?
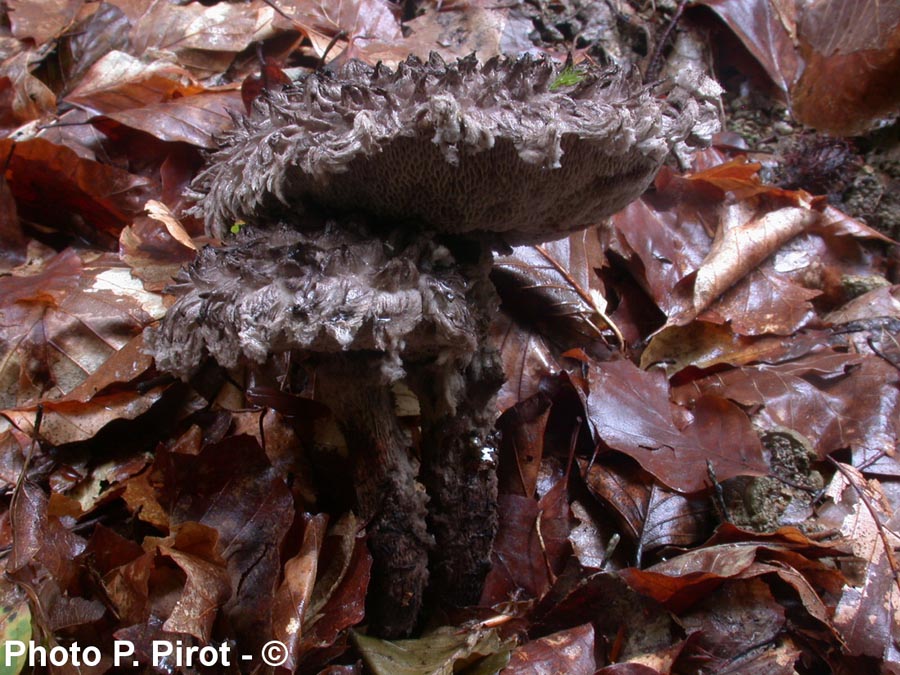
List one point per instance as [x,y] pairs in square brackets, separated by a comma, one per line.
[491,191]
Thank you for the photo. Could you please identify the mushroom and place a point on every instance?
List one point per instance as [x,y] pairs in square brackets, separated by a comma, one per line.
[372,200]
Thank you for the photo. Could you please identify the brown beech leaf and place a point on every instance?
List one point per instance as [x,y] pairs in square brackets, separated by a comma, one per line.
[55,187]
[879,302]
[687,579]
[60,325]
[768,29]
[522,447]
[31,98]
[338,599]
[668,246]
[487,31]
[28,516]
[763,302]
[231,487]
[739,615]
[157,24]
[119,81]
[527,358]
[740,246]
[555,286]
[654,515]
[852,63]
[104,31]
[630,410]
[152,253]
[737,176]
[291,604]
[835,400]
[353,23]
[569,651]
[41,20]
[71,421]
[196,120]
[867,616]
[193,549]
[530,546]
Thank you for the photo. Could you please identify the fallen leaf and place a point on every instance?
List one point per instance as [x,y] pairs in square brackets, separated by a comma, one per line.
[630,410]
[522,446]
[351,24]
[41,20]
[768,29]
[61,324]
[570,651]
[197,120]
[868,614]
[57,188]
[740,246]
[527,358]
[555,286]
[159,25]
[530,547]
[231,487]
[292,599]
[654,516]
[120,82]
[852,60]
[433,654]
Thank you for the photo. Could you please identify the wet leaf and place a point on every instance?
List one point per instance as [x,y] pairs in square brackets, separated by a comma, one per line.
[434,654]
[527,358]
[231,487]
[556,287]
[292,599]
[835,400]
[736,617]
[768,30]
[630,411]
[531,545]
[119,81]
[207,586]
[62,324]
[352,23]
[852,60]
[197,120]
[157,24]
[867,615]
[56,187]
[570,651]
[42,20]
[522,447]
[654,515]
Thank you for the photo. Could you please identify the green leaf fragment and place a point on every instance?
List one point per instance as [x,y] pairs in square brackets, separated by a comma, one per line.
[569,77]
[15,625]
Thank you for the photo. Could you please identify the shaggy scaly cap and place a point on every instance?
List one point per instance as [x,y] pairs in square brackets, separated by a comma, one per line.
[521,148]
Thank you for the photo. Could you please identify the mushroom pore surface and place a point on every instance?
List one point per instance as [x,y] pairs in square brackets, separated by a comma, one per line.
[509,148]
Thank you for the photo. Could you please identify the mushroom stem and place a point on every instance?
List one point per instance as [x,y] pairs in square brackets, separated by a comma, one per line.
[459,442]
[387,493]
[459,471]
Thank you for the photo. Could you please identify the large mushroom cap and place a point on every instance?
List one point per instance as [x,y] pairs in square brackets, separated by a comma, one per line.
[524,149]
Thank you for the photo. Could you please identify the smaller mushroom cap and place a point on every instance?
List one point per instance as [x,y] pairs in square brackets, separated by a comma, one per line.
[525,149]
